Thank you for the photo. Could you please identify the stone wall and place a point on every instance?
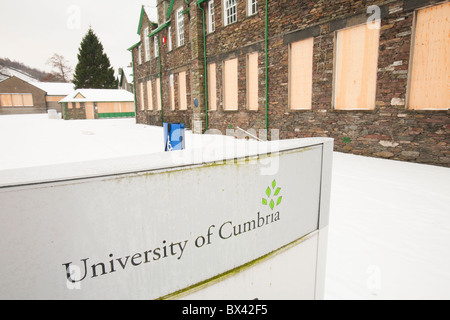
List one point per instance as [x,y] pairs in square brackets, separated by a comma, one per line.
[74,113]
[389,131]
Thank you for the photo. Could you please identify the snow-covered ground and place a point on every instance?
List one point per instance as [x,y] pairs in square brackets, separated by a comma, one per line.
[389,233]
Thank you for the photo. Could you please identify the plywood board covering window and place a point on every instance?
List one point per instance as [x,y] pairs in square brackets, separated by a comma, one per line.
[16,100]
[6,100]
[149,95]
[27,100]
[172,92]
[113,107]
[54,98]
[430,76]
[230,99]
[141,91]
[300,74]
[252,81]
[356,67]
[212,87]
[182,90]
[158,93]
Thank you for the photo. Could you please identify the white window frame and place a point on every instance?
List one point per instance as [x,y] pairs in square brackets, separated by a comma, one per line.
[180,27]
[169,38]
[147,44]
[211,17]
[139,54]
[155,42]
[230,12]
[252,7]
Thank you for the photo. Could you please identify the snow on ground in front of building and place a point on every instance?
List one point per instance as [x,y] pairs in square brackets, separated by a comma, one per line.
[34,140]
[389,233]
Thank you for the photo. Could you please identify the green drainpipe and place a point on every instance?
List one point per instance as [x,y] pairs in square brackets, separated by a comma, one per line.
[266,39]
[160,81]
[206,63]
[134,79]
[134,84]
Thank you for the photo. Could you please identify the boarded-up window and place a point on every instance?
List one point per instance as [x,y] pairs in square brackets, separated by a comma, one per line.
[356,67]
[16,100]
[127,106]
[252,81]
[141,91]
[182,90]
[27,100]
[5,100]
[158,93]
[112,107]
[172,92]
[149,95]
[212,87]
[230,99]
[53,98]
[300,74]
[430,77]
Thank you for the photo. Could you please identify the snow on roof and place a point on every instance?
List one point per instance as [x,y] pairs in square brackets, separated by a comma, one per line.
[8,72]
[99,95]
[128,72]
[55,88]
[152,13]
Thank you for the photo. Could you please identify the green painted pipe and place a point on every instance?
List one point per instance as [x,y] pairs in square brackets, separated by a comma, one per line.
[160,81]
[266,39]
[134,83]
[206,63]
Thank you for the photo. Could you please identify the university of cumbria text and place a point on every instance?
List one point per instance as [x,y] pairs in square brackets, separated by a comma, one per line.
[165,250]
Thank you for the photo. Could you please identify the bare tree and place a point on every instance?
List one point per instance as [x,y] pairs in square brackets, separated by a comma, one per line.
[63,70]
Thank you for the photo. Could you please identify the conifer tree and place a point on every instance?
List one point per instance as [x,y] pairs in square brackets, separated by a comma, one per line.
[93,70]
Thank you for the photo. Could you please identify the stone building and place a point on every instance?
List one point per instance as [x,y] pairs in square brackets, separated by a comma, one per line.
[98,104]
[18,96]
[125,78]
[373,75]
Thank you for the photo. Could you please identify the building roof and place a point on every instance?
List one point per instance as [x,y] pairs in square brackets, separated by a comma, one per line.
[55,88]
[127,74]
[8,72]
[152,14]
[99,95]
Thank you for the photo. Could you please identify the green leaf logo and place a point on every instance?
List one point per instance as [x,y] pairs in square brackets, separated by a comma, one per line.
[273,199]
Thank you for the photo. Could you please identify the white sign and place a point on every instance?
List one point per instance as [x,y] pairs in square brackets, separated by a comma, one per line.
[148,234]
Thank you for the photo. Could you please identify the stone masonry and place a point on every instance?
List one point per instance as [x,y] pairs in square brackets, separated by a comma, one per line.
[389,131]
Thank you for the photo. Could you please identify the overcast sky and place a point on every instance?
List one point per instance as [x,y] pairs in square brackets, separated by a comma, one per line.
[31,31]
